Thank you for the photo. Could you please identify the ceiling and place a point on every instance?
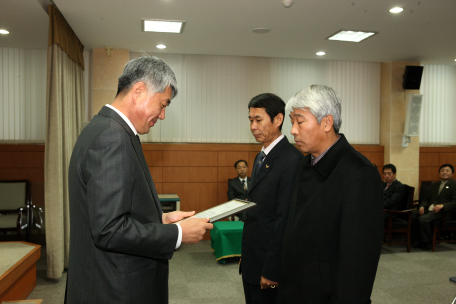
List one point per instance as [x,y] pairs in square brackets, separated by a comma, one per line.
[425,31]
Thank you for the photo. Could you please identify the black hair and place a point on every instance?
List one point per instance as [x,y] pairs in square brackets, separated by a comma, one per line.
[272,104]
[447,165]
[390,166]
[240,161]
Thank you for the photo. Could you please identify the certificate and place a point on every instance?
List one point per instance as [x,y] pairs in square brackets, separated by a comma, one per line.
[225,210]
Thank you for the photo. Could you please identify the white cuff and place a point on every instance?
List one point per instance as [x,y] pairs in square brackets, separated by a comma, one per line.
[179,238]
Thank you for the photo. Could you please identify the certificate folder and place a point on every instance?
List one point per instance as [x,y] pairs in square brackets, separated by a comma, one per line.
[225,210]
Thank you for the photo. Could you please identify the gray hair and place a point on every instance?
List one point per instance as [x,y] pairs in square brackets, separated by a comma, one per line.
[153,71]
[321,102]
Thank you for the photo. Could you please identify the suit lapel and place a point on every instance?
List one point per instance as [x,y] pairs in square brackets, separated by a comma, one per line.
[447,185]
[268,162]
[105,111]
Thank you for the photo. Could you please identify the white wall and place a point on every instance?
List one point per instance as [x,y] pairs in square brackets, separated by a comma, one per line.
[438,112]
[214,92]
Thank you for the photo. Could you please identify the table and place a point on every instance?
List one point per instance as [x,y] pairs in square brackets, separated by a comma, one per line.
[226,240]
[17,269]
[169,202]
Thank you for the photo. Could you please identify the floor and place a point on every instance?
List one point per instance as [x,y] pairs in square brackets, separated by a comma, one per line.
[195,277]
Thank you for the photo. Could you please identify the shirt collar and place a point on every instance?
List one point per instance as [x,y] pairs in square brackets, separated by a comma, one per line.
[272,145]
[124,118]
[315,160]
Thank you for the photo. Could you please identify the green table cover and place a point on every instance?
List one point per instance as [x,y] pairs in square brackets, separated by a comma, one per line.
[226,240]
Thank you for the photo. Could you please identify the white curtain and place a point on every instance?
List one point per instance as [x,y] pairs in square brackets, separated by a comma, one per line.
[438,110]
[214,92]
[22,94]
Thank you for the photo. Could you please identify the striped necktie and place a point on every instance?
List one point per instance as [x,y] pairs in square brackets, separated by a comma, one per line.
[260,160]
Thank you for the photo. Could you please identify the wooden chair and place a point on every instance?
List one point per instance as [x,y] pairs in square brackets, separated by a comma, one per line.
[15,204]
[425,189]
[400,222]
[448,223]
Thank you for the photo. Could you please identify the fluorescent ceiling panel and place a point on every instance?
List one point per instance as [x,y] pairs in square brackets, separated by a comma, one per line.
[163,26]
[352,36]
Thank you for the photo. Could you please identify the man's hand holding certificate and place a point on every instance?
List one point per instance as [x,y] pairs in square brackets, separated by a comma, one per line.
[225,210]
[193,229]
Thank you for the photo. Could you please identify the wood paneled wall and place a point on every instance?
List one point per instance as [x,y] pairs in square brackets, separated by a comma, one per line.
[431,158]
[198,173]
[24,162]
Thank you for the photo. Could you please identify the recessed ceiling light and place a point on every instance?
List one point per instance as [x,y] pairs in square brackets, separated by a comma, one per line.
[4,32]
[352,36]
[321,53]
[396,10]
[163,26]
[161,46]
[261,30]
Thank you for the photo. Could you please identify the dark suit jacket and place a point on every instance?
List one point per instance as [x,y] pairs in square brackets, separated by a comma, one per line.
[334,234]
[236,189]
[119,248]
[265,224]
[447,196]
[394,198]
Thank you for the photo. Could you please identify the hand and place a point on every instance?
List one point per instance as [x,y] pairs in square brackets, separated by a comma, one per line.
[172,217]
[437,208]
[421,210]
[265,283]
[193,229]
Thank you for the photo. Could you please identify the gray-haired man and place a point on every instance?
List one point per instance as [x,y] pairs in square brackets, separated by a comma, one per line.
[119,243]
[334,232]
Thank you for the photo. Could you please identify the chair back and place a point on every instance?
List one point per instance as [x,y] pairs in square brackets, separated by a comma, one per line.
[425,190]
[408,202]
[13,194]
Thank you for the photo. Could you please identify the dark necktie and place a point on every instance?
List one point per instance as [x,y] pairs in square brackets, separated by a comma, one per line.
[260,160]
[137,136]
[243,184]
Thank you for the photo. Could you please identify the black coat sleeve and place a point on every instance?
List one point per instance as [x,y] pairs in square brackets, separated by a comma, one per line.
[110,168]
[360,238]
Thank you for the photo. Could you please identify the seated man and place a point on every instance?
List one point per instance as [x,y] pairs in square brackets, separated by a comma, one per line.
[441,198]
[394,192]
[238,186]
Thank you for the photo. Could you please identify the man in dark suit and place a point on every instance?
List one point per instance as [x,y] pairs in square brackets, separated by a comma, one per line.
[394,193]
[441,199]
[272,181]
[238,186]
[120,242]
[334,233]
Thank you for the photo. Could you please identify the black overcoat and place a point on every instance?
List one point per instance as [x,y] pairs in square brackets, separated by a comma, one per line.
[334,234]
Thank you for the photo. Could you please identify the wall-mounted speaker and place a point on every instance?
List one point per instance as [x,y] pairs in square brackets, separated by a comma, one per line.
[413,115]
[412,77]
